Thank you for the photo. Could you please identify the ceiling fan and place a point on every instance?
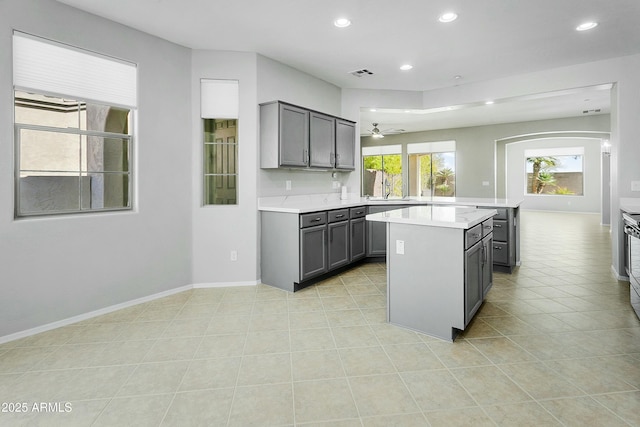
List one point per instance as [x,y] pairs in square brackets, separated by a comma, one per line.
[377,133]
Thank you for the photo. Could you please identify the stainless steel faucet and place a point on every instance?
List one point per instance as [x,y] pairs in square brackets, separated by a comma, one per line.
[387,189]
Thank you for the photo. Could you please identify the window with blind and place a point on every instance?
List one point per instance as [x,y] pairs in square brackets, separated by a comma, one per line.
[219,111]
[74,112]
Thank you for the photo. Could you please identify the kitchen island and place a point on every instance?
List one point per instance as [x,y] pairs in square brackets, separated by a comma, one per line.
[439,266]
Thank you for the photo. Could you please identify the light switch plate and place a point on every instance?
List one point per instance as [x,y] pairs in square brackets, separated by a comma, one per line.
[400,247]
[287,185]
[635,185]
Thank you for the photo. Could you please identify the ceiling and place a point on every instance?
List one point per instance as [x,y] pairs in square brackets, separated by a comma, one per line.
[576,102]
[490,39]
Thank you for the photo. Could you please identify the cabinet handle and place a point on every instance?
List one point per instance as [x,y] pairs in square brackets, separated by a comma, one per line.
[332,158]
[339,216]
[497,225]
[305,156]
[359,213]
[498,248]
[316,219]
[337,157]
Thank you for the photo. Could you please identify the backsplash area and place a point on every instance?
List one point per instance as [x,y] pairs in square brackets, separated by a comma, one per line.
[274,182]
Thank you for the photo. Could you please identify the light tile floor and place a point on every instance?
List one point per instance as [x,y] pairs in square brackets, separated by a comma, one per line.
[556,343]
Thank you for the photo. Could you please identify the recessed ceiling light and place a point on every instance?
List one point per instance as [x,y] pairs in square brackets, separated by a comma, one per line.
[406,67]
[448,17]
[373,110]
[586,26]
[342,22]
[489,102]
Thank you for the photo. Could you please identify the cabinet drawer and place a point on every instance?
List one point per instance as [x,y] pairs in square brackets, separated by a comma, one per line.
[500,231]
[309,220]
[500,253]
[358,212]
[487,227]
[472,236]
[338,215]
[502,213]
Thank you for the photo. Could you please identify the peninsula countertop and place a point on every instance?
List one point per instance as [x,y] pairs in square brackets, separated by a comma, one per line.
[319,202]
[435,216]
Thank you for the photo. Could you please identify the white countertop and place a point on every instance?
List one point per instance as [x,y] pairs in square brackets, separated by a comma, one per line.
[318,202]
[630,205]
[435,216]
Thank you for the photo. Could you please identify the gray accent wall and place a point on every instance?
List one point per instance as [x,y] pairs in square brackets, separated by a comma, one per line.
[56,268]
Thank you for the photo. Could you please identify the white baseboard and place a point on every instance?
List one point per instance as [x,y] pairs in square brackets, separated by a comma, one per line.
[224,284]
[112,308]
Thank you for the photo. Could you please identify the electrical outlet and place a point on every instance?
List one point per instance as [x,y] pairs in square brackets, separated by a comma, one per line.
[336,185]
[234,255]
[635,185]
[287,185]
[400,247]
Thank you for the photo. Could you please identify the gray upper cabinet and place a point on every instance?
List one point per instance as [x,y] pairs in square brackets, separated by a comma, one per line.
[322,139]
[345,145]
[296,137]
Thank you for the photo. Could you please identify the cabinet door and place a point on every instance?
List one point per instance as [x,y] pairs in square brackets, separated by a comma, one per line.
[294,136]
[487,264]
[473,281]
[345,145]
[322,140]
[338,244]
[313,251]
[358,238]
[377,231]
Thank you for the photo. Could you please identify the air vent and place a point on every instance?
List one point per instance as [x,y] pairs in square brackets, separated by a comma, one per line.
[361,72]
[597,110]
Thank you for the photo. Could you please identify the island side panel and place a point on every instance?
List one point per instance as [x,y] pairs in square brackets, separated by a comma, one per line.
[279,249]
[425,285]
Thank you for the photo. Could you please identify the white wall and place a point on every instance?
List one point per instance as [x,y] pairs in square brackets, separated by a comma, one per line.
[59,267]
[217,230]
[515,171]
[279,82]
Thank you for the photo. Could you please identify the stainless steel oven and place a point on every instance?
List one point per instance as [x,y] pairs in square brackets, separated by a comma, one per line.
[632,235]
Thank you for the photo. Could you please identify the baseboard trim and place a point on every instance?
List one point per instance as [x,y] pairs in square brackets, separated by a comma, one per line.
[224,284]
[112,308]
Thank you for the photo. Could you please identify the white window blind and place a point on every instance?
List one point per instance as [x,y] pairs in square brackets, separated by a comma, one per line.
[219,99]
[44,66]
[431,147]
[382,149]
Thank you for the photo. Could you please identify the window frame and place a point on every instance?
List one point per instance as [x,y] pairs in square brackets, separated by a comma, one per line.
[18,214]
[206,175]
[381,150]
[554,152]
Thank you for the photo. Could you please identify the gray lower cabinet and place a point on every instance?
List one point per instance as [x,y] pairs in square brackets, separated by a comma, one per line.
[294,249]
[338,246]
[478,268]
[377,232]
[472,281]
[506,236]
[358,230]
[313,254]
